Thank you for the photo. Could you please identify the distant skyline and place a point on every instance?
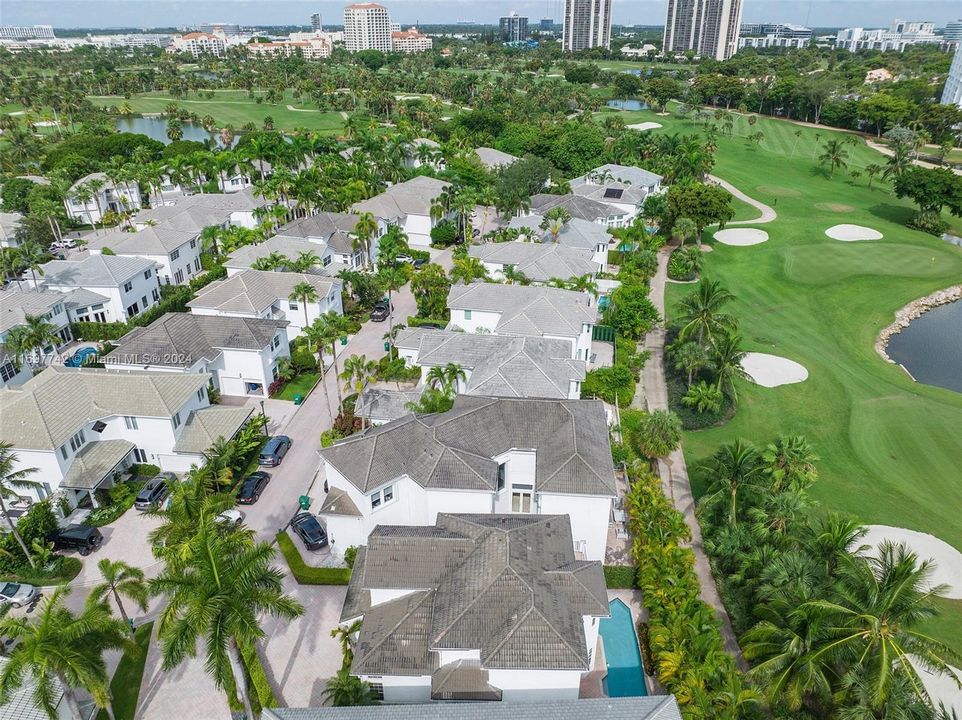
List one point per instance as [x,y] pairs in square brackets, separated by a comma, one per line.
[178,13]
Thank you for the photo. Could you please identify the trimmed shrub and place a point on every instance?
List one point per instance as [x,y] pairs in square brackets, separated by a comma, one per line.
[621,577]
[350,555]
[306,574]
[143,470]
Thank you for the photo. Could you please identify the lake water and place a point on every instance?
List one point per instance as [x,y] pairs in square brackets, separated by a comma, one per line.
[156,128]
[931,347]
[627,105]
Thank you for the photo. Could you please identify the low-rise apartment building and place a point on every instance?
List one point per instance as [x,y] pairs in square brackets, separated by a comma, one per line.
[128,285]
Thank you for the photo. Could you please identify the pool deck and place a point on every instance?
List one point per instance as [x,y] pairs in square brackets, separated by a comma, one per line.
[618,550]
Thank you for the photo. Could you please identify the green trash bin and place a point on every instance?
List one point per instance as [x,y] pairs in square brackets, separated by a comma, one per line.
[298,399]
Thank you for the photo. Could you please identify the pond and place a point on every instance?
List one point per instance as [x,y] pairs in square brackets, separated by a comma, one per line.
[625,672]
[930,348]
[156,128]
[627,105]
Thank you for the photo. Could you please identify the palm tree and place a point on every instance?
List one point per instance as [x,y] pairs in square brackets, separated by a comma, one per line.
[446,377]
[684,229]
[364,231]
[872,170]
[57,646]
[305,261]
[330,328]
[10,480]
[304,293]
[32,257]
[734,467]
[218,595]
[726,360]
[357,371]
[700,311]
[190,500]
[688,357]
[467,269]
[790,463]
[394,279]
[344,690]
[658,434]
[513,276]
[121,579]
[703,398]
[834,156]
[316,336]
[272,261]
[585,284]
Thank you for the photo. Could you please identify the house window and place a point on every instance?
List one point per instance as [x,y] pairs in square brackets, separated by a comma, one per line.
[292,304]
[140,455]
[174,255]
[7,371]
[147,274]
[176,420]
[77,441]
[128,286]
[382,497]
[467,314]
[521,496]
[63,451]
[155,293]
[274,372]
[193,244]
[197,264]
[132,310]
[179,277]
[327,260]
[377,690]
[501,473]
[276,342]
[201,393]
[130,422]
[143,301]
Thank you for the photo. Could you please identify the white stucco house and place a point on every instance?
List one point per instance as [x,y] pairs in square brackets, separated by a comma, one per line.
[525,311]
[193,213]
[240,354]
[486,455]
[335,233]
[539,262]
[105,196]
[407,205]
[129,285]
[175,252]
[16,305]
[82,426]
[328,260]
[423,151]
[581,208]
[575,234]
[494,607]
[266,294]
[624,187]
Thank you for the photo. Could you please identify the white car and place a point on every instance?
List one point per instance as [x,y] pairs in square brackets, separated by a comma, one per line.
[231,517]
[18,594]
[405,258]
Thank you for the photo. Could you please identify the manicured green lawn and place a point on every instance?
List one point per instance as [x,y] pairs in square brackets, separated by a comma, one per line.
[235,108]
[301,385]
[889,447]
[125,685]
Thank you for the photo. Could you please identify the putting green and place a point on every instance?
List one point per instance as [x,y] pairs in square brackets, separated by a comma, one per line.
[824,263]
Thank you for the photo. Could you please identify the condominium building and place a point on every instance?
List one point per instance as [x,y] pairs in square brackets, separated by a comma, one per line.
[411,40]
[899,35]
[33,32]
[314,48]
[765,35]
[587,24]
[219,27]
[952,94]
[316,22]
[367,26]
[952,32]
[514,27]
[200,43]
[709,28]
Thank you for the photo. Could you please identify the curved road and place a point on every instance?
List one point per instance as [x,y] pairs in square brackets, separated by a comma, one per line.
[767,213]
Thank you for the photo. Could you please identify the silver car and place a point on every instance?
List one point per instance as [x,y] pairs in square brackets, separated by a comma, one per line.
[18,594]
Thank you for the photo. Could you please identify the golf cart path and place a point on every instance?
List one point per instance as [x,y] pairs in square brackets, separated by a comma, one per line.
[767,213]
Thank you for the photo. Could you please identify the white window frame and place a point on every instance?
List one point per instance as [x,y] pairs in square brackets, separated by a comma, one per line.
[383,497]
[176,420]
[130,422]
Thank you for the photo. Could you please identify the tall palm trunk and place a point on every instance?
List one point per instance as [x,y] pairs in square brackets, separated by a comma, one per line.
[240,677]
[68,693]
[123,611]
[16,534]
[327,394]
[337,385]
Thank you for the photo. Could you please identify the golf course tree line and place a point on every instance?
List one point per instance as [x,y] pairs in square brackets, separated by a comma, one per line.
[215,585]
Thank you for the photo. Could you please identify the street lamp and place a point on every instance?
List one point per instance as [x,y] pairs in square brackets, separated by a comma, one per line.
[264,415]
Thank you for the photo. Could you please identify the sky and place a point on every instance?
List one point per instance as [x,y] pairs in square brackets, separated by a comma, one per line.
[183,13]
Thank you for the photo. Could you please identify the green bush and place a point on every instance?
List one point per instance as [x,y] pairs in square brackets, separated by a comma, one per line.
[258,678]
[611,384]
[621,577]
[444,233]
[306,574]
[99,331]
[396,371]
[329,437]
[684,263]
[417,321]
[303,360]
[143,470]
[690,418]
[350,555]
[61,570]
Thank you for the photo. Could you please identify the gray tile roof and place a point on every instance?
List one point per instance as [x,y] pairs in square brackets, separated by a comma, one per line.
[156,240]
[82,298]
[94,461]
[206,425]
[576,233]
[627,174]
[16,304]
[578,207]
[454,450]
[182,339]
[611,192]
[412,197]
[9,223]
[190,219]
[527,310]
[539,262]
[92,176]
[290,247]
[50,407]
[508,585]
[381,405]
[462,680]
[95,271]
[501,365]
[493,159]
[333,228]
[253,291]
[654,707]
[338,502]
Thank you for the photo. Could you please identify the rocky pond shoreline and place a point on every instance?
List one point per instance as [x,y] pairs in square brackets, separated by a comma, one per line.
[910,312]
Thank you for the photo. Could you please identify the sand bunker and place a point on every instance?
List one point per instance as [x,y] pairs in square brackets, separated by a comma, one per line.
[852,233]
[772,370]
[741,236]
[644,126]
[948,560]
[835,207]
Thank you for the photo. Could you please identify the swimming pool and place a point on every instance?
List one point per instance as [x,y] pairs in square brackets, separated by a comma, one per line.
[625,674]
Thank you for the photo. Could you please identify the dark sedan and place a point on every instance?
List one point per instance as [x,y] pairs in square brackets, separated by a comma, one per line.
[250,491]
[309,530]
[381,311]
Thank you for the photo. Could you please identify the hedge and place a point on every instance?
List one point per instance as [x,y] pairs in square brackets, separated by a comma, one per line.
[67,568]
[621,577]
[259,682]
[417,321]
[307,574]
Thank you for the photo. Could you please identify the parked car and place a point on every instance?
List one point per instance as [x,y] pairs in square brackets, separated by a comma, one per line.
[405,258]
[309,530]
[419,263]
[154,492]
[81,357]
[251,489]
[274,451]
[18,594]
[231,517]
[82,538]
[381,311]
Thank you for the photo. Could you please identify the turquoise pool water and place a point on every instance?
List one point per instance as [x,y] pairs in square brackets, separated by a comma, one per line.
[625,673]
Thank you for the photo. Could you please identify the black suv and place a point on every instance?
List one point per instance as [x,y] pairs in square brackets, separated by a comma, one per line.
[253,486]
[381,311]
[154,492]
[82,538]
[309,530]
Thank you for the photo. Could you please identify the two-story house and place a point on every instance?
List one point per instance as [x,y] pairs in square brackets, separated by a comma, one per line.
[81,427]
[486,455]
[525,310]
[494,607]
[538,262]
[336,233]
[408,206]
[129,285]
[240,354]
[266,294]
[176,252]
[16,306]
[582,208]
[623,187]
[574,233]
[328,259]
[94,195]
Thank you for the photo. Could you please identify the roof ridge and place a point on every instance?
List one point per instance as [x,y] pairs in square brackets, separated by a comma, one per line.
[405,616]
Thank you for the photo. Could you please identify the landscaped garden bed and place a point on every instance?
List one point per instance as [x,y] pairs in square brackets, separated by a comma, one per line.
[308,574]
